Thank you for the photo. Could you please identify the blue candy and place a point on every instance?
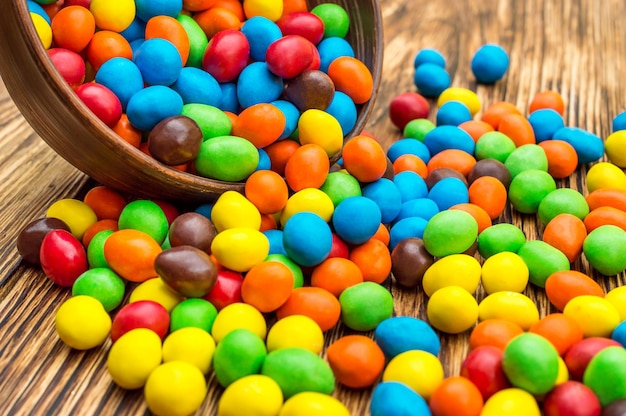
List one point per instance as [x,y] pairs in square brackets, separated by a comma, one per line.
[404,333]
[545,122]
[429,56]
[36,8]
[448,137]
[332,48]
[136,30]
[408,147]
[356,219]
[307,239]
[197,86]
[619,122]
[588,146]
[619,333]
[411,185]
[275,238]
[421,207]
[229,101]
[490,63]
[449,192]
[159,61]
[121,76]
[453,113]
[257,84]
[392,398]
[260,32]
[151,105]
[344,110]
[204,209]
[292,115]
[431,79]
[145,9]
[264,160]
[411,227]
[387,196]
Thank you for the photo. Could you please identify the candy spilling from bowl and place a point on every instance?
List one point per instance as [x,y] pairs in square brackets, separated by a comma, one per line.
[131,118]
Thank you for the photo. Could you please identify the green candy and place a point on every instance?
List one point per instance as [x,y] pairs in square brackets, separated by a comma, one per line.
[95,250]
[146,216]
[297,370]
[240,353]
[418,128]
[211,120]
[365,305]
[499,238]
[335,18]
[298,276]
[605,375]
[528,189]
[450,232]
[227,158]
[339,186]
[605,249]
[526,157]
[542,260]
[562,201]
[494,145]
[193,312]
[103,284]
[530,362]
[198,40]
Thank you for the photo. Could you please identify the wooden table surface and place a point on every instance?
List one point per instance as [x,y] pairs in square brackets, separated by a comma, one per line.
[577,47]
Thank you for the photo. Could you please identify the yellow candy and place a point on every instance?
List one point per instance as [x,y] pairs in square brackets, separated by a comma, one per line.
[82,322]
[270,9]
[192,345]
[295,331]
[615,148]
[239,249]
[617,297]
[176,388]
[113,15]
[596,316]
[319,127]
[238,315]
[511,306]
[310,200]
[504,271]
[311,403]
[563,374]
[43,29]
[251,395]
[133,357]
[511,402]
[605,175]
[76,214]
[452,309]
[454,270]
[233,210]
[467,97]
[420,370]
[155,289]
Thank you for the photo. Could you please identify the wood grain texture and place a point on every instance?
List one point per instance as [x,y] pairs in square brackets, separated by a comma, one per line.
[574,46]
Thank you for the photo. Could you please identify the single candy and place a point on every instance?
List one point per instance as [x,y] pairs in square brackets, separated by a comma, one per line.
[186,269]
[545,123]
[511,306]
[605,376]
[489,63]
[211,120]
[77,215]
[82,323]
[431,79]
[605,248]
[531,363]
[62,257]
[605,175]
[511,402]
[227,289]
[448,192]
[450,232]
[175,140]
[158,61]
[454,270]
[449,137]
[313,403]
[526,157]
[504,271]
[257,84]
[406,107]
[122,77]
[316,303]
[483,367]
[163,102]
[395,398]
[260,32]
[175,387]
[290,56]
[146,216]
[253,394]
[463,95]
[343,109]
[238,316]
[297,331]
[314,121]
[233,210]
[614,148]
[140,314]
[399,334]
[410,261]
[365,305]
[492,168]
[499,238]
[238,354]
[494,145]
[419,370]
[196,313]
[616,408]
[197,40]
[217,157]
[617,297]
[307,238]
[452,113]
[310,89]
[226,55]
[356,219]
[356,360]
[571,398]
[542,260]
[192,229]
[456,395]
[452,310]
[335,19]
[133,357]
[156,290]
[596,316]
[191,345]
[332,48]
[103,284]
[562,200]
[528,188]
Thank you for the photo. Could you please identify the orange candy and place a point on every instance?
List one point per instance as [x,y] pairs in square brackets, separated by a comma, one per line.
[565,285]
[105,202]
[374,260]
[490,194]
[215,20]
[316,303]
[127,132]
[561,330]
[456,396]
[455,159]
[290,6]
[356,360]
[168,28]
[352,77]
[411,163]
[517,128]
[480,215]
[547,99]
[476,128]
[382,234]
[566,232]
[607,197]
[261,124]
[494,113]
[279,153]
[605,216]
[233,6]
[364,158]
[96,227]
[73,27]
[562,158]
[307,167]
[105,45]
[336,274]
[267,191]
[197,5]
[268,222]
[131,254]
[267,286]
[494,332]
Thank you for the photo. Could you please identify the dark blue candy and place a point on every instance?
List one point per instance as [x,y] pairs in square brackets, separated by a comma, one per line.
[449,137]
[159,61]
[408,146]
[344,110]
[449,192]
[257,85]
[545,122]
[431,79]
[453,113]
[387,196]
[429,56]
[411,227]
[588,146]
[121,76]
[151,105]
[356,219]
[404,333]
[260,32]
[411,185]
[332,48]
[197,86]
[204,209]
[392,398]
[490,63]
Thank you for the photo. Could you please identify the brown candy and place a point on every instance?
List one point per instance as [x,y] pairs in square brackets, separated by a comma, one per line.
[187,270]
[312,89]
[442,173]
[410,260]
[490,167]
[615,408]
[30,238]
[192,229]
[175,140]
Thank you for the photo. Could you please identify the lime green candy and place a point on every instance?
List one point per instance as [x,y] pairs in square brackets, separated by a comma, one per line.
[526,157]
[605,375]
[450,232]
[499,238]
[193,312]
[542,260]
[335,18]
[530,362]
[418,128]
[494,145]
[297,369]
[103,284]
[211,120]
[339,186]
[227,158]
[365,305]
[145,215]
[95,250]
[605,249]
[298,276]
[528,188]
[240,353]
[562,201]
[197,40]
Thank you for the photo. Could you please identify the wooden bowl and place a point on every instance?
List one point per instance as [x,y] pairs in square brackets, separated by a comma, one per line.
[71,130]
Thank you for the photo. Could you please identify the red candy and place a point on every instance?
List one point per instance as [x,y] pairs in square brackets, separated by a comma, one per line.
[579,355]
[289,56]
[305,24]
[69,64]
[101,101]
[483,367]
[227,289]
[141,314]
[571,398]
[62,257]
[226,55]
[406,107]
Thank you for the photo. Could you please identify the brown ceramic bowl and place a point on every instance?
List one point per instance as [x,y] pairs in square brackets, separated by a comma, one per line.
[65,124]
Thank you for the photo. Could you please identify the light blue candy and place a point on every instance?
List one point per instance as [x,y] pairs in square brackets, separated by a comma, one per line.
[307,239]
[136,30]
[490,63]
[587,145]
[411,227]
[453,113]
[424,208]
[356,219]
[261,32]
[411,185]
[292,115]
[344,110]
[257,85]
[151,105]
[408,147]
[619,333]
[431,79]
[332,48]
[429,55]
[387,196]
[392,398]
[449,192]
[197,86]
[404,333]
[159,61]
[229,101]
[275,238]
[545,122]
[122,77]
[448,137]
[146,9]
[619,122]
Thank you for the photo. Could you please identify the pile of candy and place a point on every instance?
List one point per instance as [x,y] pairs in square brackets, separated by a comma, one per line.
[245,288]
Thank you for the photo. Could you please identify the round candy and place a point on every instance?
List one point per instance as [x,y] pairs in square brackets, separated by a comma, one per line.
[238,316]
[257,84]
[133,357]
[528,188]
[504,271]
[82,323]
[605,175]
[62,257]
[307,238]
[483,367]
[454,270]
[356,360]
[335,19]
[356,219]
[399,334]
[431,79]
[429,55]
[316,303]
[450,232]
[545,123]
[617,297]
[196,313]
[616,408]
[463,95]
[614,148]
[155,289]
[240,248]
[596,316]
[500,237]
[410,260]
[103,284]
[233,210]
[331,48]
[571,398]
[77,215]
[406,107]
[452,310]
[260,32]
[396,398]
[308,200]
[140,314]
[449,137]
[453,113]
[605,248]
[419,370]
[387,196]
[312,122]
[145,215]
[511,402]
[562,200]
[313,403]
[158,61]
[341,185]
[175,388]
[163,102]
[530,362]
[238,354]
[510,306]
[494,145]
[295,331]
[253,394]
[365,305]
[489,63]
[605,376]
[211,120]
[526,157]
[456,396]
